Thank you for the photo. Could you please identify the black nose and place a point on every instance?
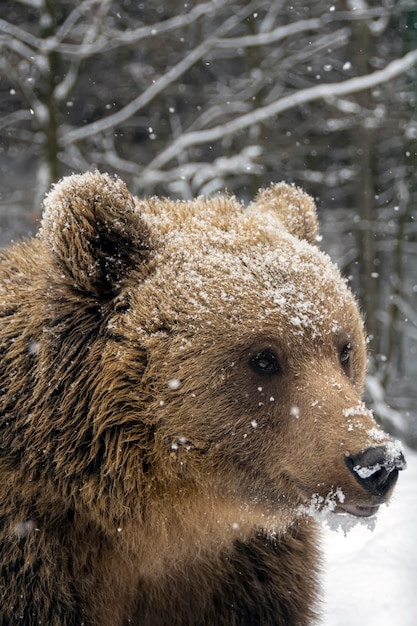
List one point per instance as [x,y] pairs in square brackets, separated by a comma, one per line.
[376,469]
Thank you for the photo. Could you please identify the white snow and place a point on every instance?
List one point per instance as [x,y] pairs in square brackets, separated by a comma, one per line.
[370,577]
[295,411]
[366,472]
[174,384]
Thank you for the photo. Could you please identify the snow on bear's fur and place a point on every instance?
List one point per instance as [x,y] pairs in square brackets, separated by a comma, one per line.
[180,390]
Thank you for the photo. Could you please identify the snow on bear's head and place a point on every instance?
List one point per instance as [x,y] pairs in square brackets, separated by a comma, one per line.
[236,343]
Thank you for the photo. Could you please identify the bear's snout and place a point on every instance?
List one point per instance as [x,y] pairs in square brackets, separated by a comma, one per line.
[376,468]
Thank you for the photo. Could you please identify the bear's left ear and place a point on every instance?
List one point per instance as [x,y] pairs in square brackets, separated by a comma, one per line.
[95,232]
[292,207]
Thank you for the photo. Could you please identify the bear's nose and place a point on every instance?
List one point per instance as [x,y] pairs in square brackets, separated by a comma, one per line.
[376,469]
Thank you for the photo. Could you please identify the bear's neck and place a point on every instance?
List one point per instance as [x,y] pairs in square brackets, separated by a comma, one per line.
[199,522]
[215,580]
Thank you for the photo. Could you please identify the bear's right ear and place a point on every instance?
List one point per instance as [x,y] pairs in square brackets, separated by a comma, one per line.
[95,232]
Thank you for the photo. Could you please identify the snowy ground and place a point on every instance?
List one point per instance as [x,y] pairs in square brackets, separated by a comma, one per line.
[370,577]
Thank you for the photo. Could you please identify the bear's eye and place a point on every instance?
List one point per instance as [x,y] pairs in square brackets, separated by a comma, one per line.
[265,362]
[345,354]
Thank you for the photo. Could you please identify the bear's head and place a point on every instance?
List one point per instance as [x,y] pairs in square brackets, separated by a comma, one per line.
[222,360]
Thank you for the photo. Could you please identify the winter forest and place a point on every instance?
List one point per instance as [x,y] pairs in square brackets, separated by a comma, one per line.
[186,98]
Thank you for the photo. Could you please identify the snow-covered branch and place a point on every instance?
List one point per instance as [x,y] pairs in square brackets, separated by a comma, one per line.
[54,43]
[268,38]
[62,89]
[22,115]
[210,44]
[155,89]
[112,38]
[23,50]
[244,161]
[140,101]
[310,94]
[15,32]
[79,12]
[36,106]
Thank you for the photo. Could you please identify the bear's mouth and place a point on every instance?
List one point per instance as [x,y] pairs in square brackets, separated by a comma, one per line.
[358,510]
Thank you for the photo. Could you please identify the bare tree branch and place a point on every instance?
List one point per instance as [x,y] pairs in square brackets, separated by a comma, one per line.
[115,38]
[318,92]
[76,14]
[16,116]
[156,88]
[20,34]
[242,162]
[268,38]
[140,101]
[23,50]
[62,90]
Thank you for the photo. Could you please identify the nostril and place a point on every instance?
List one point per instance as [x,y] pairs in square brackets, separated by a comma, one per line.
[376,469]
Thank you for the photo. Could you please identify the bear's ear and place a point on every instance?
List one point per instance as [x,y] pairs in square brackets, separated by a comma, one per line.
[292,207]
[95,232]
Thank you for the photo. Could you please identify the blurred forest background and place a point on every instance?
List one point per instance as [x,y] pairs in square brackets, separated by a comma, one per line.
[187,97]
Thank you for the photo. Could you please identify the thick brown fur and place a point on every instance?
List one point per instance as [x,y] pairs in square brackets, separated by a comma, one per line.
[150,474]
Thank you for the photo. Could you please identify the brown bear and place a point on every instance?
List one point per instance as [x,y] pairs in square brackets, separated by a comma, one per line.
[179,393]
